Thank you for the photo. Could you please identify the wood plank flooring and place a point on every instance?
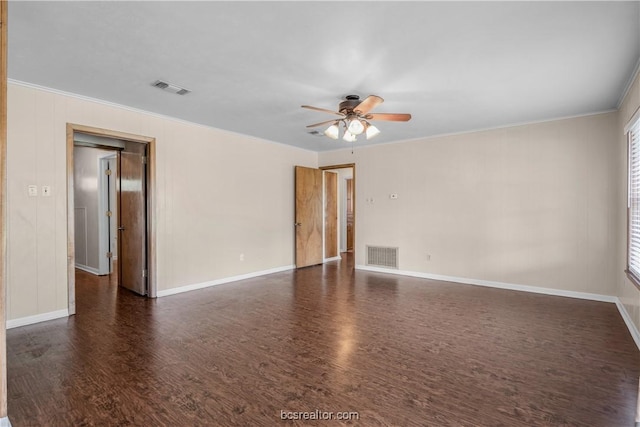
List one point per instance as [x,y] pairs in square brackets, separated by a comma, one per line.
[399,351]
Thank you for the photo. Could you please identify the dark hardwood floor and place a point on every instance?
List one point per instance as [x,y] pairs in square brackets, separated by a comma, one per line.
[399,351]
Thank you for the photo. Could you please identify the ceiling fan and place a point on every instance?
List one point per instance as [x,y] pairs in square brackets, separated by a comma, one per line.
[355,116]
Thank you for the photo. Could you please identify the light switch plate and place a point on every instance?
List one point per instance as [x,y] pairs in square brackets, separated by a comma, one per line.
[46,190]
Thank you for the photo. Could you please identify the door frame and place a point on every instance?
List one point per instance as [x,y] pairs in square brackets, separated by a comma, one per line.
[150,142]
[353,168]
[4,16]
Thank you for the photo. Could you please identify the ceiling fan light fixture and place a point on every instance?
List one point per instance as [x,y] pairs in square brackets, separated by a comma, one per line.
[354,118]
[372,131]
[332,131]
[356,127]
[348,136]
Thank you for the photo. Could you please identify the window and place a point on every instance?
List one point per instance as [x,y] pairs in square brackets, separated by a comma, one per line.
[633,203]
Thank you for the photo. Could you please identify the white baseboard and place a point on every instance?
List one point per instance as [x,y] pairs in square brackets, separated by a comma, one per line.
[88,269]
[635,334]
[490,284]
[203,285]
[335,258]
[629,322]
[4,422]
[523,288]
[30,320]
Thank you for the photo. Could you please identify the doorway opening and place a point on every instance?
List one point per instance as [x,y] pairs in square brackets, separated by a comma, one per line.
[346,205]
[324,214]
[110,225]
[94,174]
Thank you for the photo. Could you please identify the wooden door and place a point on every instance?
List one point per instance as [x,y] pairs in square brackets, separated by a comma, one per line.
[349,214]
[308,216]
[330,214]
[132,224]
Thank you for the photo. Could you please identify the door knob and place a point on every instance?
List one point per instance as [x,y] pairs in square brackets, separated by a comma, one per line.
[298,224]
[121,228]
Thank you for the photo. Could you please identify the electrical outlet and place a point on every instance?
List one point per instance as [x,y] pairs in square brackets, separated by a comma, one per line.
[32,190]
[241,257]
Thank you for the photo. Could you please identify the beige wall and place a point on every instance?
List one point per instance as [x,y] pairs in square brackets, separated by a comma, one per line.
[626,291]
[539,204]
[219,194]
[528,205]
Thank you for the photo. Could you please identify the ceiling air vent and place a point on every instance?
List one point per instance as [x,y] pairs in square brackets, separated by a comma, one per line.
[169,87]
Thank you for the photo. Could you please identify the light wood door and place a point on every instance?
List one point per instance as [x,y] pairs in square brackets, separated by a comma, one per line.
[308,216]
[349,214]
[330,214]
[132,224]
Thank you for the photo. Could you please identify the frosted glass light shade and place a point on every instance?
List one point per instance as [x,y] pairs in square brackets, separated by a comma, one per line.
[332,131]
[356,127]
[348,136]
[372,131]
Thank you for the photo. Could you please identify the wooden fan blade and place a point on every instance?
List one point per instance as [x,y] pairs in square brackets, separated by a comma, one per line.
[324,110]
[390,117]
[321,123]
[371,102]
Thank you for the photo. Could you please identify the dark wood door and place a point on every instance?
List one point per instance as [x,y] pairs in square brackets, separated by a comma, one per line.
[308,216]
[349,214]
[132,224]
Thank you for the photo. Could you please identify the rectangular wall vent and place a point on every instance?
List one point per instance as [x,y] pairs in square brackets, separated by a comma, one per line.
[380,256]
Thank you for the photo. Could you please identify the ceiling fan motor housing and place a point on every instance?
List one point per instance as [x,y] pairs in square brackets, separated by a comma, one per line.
[347,106]
[354,115]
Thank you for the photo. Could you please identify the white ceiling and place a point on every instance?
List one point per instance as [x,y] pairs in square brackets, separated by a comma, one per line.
[455,66]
